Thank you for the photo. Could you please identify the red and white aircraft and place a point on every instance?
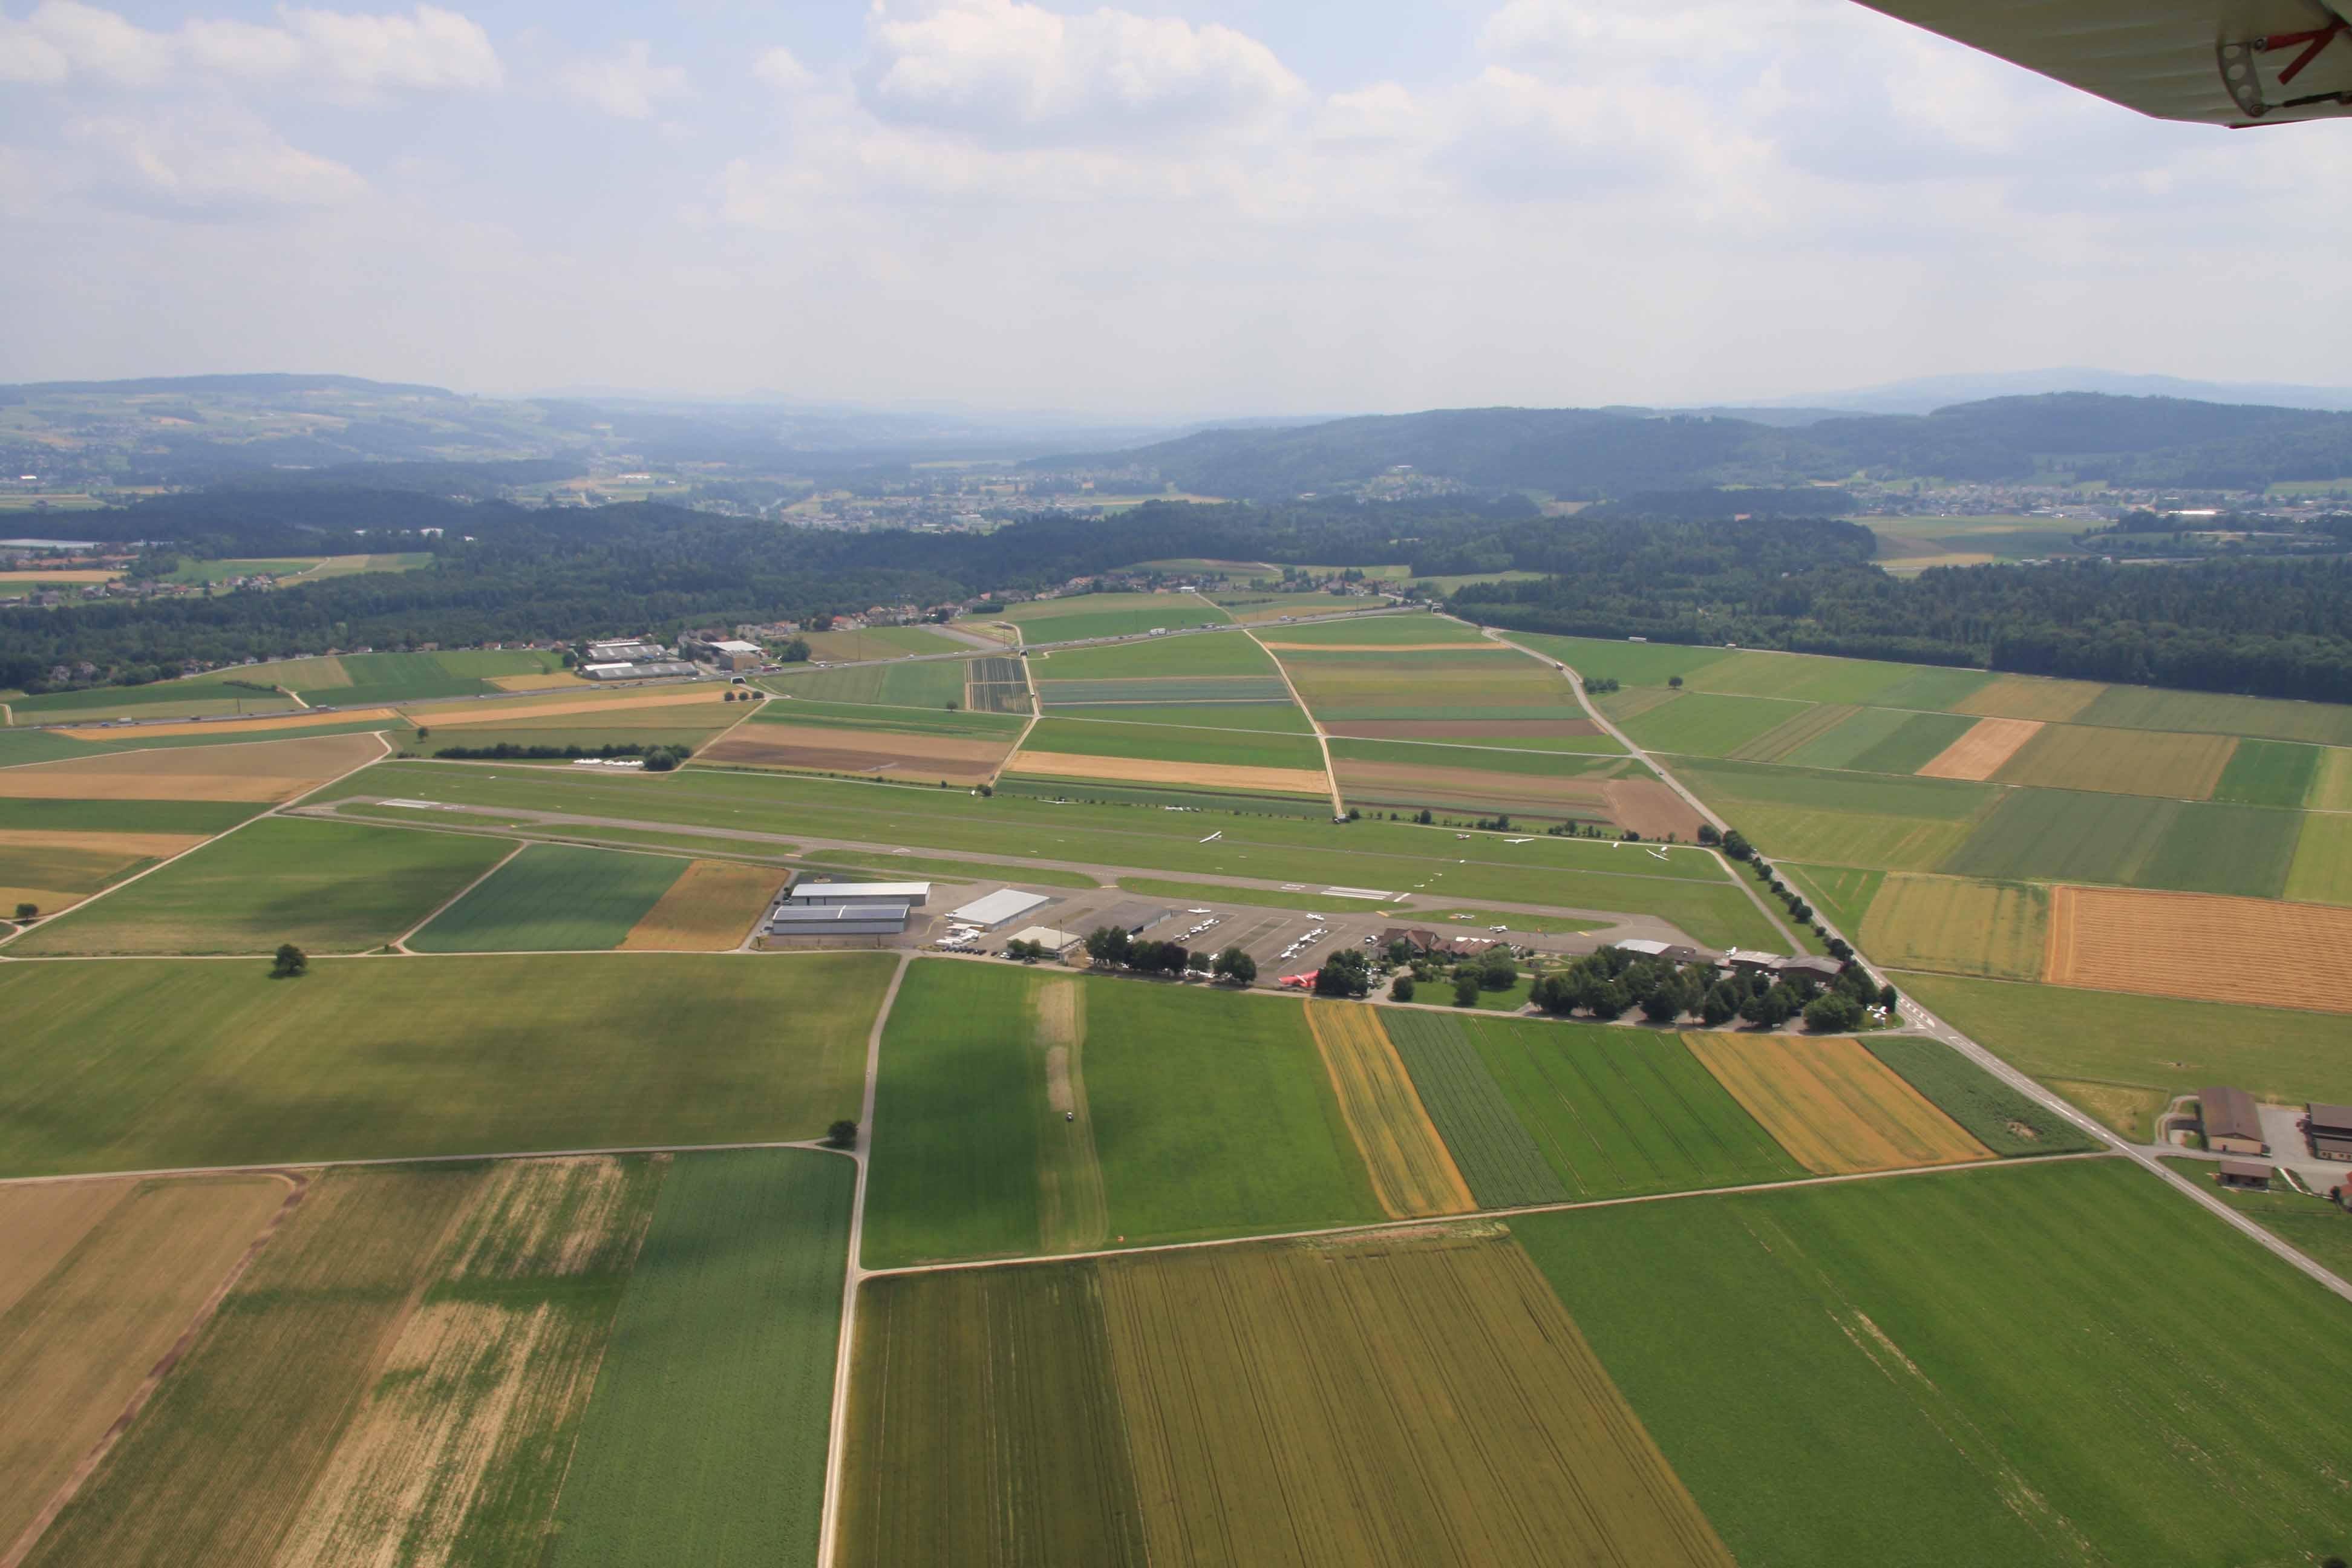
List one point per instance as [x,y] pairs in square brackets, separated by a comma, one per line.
[2212,62]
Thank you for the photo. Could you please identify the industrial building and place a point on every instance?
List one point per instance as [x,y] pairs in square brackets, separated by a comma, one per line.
[818,895]
[2232,1123]
[626,650]
[1049,939]
[789,920]
[1000,907]
[656,669]
[2330,1129]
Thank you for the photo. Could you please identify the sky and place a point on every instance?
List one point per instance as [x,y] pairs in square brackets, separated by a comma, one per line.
[1169,209]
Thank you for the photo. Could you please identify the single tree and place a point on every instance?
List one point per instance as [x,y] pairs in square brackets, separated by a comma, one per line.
[842,1134]
[1401,988]
[28,912]
[1108,944]
[1497,971]
[292,961]
[1833,1013]
[1466,989]
[1237,966]
[1676,681]
[1344,973]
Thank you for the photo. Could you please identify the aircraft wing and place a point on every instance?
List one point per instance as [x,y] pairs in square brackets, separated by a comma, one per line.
[2213,62]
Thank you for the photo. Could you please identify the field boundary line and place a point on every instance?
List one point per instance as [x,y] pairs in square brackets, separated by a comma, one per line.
[400,943]
[837,1440]
[757,703]
[1438,1221]
[216,838]
[291,1167]
[1036,714]
[84,1467]
[1322,740]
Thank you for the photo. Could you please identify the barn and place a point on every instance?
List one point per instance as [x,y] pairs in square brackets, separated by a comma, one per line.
[2232,1123]
[2330,1131]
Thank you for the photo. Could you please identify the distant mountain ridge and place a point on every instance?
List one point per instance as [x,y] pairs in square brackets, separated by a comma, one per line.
[1926,394]
[1603,453]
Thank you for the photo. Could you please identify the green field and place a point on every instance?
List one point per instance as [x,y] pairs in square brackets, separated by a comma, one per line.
[1615,1112]
[1209,1115]
[1628,663]
[1842,893]
[931,683]
[21,746]
[237,689]
[2214,713]
[984,1425]
[1221,748]
[1505,1166]
[1283,718]
[2321,870]
[1942,1414]
[1209,893]
[553,898]
[887,719]
[1994,1114]
[1387,631]
[1883,741]
[326,887]
[1803,677]
[705,1441]
[205,816]
[2058,1033]
[376,678]
[1086,615]
[2067,836]
[2314,1226]
[1591,756]
[216,1064]
[1227,654]
[2269,772]
[882,642]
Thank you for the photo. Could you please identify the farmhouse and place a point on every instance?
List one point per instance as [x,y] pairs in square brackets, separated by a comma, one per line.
[2244,1173]
[2232,1125]
[1417,939]
[2330,1128]
[1823,969]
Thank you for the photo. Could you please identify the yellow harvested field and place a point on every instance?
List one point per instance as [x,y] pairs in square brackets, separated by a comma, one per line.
[1832,1104]
[118,735]
[1959,926]
[555,683]
[486,713]
[1479,646]
[1980,753]
[1141,770]
[2331,785]
[2122,762]
[43,1222]
[2031,697]
[1412,1173]
[2202,947]
[709,909]
[1390,1402]
[48,900]
[85,1339]
[261,771]
[129,845]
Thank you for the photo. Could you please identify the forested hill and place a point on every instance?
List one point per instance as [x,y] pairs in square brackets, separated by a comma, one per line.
[1599,453]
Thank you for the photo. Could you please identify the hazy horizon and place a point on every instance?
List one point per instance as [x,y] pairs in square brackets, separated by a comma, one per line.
[1165,212]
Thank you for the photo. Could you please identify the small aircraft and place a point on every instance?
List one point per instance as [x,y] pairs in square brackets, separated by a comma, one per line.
[2210,62]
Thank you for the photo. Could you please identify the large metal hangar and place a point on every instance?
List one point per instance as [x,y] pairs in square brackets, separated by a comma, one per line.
[789,920]
[909,895]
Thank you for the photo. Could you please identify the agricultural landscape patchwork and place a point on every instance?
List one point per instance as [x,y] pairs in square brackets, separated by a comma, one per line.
[550,1204]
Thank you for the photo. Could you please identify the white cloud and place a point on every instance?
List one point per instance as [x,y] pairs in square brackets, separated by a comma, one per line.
[343,55]
[214,163]
[780,69]
[1008,68]
[627,86]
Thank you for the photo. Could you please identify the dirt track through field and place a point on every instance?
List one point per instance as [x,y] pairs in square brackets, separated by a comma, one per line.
[253,773]
[1412,1173]
[1141,770]
[1981,750]
[1833,1106]
[1073,1211]
[234,726]
[2201,947]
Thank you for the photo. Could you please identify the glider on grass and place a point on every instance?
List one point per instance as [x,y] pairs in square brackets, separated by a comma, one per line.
[2210,62]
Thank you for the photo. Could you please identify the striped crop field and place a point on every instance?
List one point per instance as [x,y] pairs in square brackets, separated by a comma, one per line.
[1959,926]
[1996,1115]
[1702,725]
[709,909]
[2120,762]
[994,685]
[1802,677]
[2216,713]
[1165,658]
[2068,836]
[1805,727]
[2254,950]
[1832,1104]
[1407,1400]
[2269,772]
[1504,1165]
[1163,691]
[1413,1174]
[930,684]
[1881,741]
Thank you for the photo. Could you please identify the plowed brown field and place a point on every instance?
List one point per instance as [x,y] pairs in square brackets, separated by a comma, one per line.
[254,772]
[1401,784]
[1389,647]
[1652,809]
[1832,1104]
[1412,1173]
[1979,754]
[237,726]
[2202,947]
[1142,769]
[820,750]
[709,909]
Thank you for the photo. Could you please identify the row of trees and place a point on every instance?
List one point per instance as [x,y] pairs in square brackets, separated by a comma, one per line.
[1114,947]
